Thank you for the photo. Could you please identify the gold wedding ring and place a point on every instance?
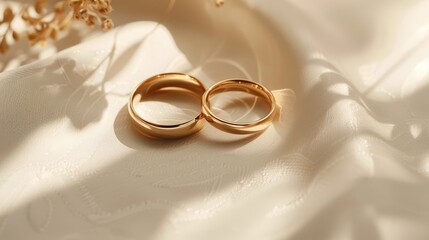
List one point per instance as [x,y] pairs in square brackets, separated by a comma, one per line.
[172,81]
[241,85]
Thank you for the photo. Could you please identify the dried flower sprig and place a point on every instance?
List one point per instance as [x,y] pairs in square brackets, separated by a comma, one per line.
[219,3]
[8,16]
[93,12]
[42,25]
[45,25]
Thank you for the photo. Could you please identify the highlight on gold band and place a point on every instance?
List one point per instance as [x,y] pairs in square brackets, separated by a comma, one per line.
[241,85]
[172,81]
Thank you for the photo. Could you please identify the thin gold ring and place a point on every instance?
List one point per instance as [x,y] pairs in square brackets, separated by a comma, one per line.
[241,85]
[174,81]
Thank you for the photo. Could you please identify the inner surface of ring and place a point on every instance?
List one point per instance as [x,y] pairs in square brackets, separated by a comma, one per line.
[167,101]
[238,102]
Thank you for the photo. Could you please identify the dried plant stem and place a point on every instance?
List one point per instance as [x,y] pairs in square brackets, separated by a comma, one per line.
[42,25]
[3,43]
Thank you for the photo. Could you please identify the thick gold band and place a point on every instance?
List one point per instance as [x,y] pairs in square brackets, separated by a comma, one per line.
[243,86]
[176,81]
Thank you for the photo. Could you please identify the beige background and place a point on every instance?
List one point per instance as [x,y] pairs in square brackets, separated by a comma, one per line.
[347,160]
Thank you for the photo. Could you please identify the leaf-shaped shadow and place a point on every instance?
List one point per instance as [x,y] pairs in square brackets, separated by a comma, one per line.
[39,214]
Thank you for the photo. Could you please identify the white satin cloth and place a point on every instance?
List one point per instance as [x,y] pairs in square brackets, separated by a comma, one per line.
[348,160]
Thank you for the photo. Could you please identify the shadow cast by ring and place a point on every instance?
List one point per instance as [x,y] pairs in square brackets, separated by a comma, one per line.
[131,138]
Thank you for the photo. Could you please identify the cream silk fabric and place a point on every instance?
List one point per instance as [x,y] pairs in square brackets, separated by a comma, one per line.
[347,160]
